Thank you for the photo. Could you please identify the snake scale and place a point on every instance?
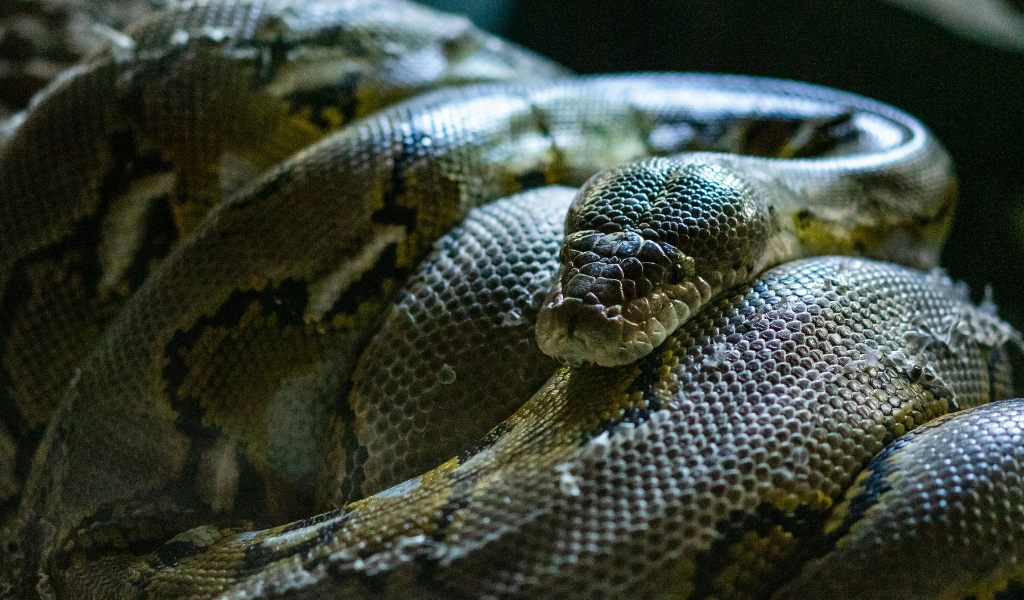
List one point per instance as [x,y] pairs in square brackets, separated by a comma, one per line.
[255,267]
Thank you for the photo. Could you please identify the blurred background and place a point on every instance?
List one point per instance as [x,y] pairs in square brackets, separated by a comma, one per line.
[958,65]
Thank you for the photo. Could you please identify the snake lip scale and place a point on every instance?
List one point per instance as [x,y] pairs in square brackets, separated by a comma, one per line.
[622,290]
[506,332]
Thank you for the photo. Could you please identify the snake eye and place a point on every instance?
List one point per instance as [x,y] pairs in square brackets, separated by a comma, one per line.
[677,273]
[646,245]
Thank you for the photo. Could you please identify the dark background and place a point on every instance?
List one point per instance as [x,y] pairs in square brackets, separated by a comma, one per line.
[967,89]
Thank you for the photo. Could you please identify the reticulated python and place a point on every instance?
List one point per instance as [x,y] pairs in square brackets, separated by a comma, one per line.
[181,373]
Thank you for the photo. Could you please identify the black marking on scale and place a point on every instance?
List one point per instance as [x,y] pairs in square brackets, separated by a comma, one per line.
[459,499]
[411,150]
[874,485]
[287,300]
[485,442]
[258,556]
[26,438]
[1014,591]
[372,284]
[77,255]
[159,234]
[314,521]
[341,95]
[429,568]
[803,524]
[644,383]
[171,553]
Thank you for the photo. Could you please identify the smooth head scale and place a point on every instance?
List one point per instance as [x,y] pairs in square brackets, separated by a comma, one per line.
[645,246]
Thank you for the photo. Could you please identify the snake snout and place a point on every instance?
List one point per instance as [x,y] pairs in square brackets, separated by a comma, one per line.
[646,245]
[602,300]
[579,333]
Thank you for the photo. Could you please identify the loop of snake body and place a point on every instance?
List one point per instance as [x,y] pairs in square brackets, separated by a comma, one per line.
[692,416]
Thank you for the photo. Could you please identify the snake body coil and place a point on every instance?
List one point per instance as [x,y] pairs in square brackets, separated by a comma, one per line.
[287,352]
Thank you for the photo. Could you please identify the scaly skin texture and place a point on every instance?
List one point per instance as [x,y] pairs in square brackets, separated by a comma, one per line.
[648,480]
[121,157]
[951,489]
[232,391]
[300,268]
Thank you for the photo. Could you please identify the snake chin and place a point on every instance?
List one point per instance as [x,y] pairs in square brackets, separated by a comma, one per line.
[576,332]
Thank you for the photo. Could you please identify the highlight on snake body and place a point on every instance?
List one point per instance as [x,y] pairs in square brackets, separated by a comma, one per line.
[351,299]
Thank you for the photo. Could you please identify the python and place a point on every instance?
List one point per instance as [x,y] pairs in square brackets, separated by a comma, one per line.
[251,292]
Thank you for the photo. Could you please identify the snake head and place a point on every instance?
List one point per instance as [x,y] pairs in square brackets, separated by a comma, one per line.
[646,245]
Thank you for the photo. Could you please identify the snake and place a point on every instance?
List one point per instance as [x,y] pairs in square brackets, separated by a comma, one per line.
[349,299]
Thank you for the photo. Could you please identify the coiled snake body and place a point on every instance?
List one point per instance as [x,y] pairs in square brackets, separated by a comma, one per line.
[181,373]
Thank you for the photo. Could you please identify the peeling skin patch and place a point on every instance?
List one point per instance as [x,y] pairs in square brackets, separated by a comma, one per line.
[734,472]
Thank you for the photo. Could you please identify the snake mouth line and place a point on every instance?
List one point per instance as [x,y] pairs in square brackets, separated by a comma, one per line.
[619,295]
[615,298]
[576,331]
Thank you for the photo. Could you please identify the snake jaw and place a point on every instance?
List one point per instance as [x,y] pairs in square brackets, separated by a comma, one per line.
[576,333]
[616,297]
